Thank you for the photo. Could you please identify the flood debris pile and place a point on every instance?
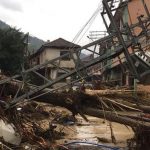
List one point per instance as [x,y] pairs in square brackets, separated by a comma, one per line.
[36,124]
[30,125]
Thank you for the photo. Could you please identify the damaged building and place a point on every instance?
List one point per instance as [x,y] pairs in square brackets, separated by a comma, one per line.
[36,111]
[116,71]
[50,51]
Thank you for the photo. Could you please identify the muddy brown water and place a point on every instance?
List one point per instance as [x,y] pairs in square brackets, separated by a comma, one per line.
[97,131]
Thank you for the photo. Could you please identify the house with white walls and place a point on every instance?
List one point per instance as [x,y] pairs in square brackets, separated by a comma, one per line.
[52,50]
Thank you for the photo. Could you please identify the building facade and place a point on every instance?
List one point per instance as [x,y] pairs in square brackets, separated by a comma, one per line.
[50,51]
[116,69]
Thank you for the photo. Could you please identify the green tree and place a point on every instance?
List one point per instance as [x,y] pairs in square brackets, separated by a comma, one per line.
[12,46]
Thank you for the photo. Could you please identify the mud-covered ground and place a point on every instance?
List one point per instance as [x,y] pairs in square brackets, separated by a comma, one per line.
[96,130]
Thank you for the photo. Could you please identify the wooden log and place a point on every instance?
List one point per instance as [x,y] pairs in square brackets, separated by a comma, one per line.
[122,105]
[87,104]
[115,118]
[146,109]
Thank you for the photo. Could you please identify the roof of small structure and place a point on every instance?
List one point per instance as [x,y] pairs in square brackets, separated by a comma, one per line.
[59,43]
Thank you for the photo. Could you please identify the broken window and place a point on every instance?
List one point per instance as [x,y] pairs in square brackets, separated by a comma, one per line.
[67,57]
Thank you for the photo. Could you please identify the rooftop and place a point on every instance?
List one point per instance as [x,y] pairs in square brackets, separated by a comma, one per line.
[59,43]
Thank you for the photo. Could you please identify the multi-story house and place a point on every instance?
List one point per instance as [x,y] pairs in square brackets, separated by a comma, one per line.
[52,50]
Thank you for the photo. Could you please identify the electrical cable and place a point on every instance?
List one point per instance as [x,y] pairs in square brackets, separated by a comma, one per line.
[90,23]
[84,26]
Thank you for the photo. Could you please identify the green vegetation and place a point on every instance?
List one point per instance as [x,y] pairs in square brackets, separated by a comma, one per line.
[34,42]
[12,46]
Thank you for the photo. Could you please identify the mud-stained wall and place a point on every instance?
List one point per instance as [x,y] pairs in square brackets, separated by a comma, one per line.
[136,9]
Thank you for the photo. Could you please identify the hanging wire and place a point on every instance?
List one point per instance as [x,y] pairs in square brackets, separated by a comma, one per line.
[90,21]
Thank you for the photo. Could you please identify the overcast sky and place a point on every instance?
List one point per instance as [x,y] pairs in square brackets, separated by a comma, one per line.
[50,19]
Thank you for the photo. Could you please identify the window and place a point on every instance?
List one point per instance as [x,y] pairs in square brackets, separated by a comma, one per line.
[65,57]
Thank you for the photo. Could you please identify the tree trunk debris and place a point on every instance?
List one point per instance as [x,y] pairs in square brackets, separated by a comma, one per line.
[114,106]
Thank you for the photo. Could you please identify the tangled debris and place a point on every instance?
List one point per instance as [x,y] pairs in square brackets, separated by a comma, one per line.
[37,122]
[28,122]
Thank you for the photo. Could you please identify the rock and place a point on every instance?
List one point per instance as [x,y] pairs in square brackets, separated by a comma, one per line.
[8,133]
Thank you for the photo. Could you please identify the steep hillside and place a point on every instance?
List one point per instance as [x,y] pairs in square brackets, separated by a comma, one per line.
[3,25]
[34,42]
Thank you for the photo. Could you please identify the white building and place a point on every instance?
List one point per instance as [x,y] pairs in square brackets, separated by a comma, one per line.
[52,50]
